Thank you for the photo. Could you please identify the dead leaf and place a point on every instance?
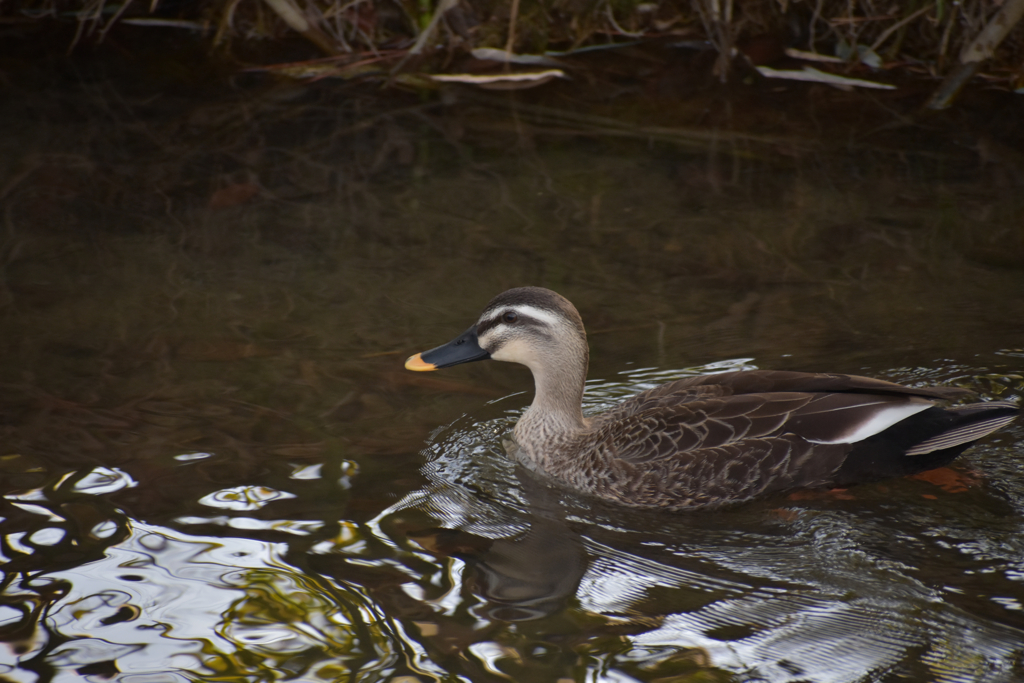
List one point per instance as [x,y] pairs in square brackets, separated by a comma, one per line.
[821,494]
[518,81]
[491,54]
[949,480]
[812,56]
[814,76]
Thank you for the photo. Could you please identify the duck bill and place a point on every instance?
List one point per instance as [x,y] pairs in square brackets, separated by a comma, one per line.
[463,349]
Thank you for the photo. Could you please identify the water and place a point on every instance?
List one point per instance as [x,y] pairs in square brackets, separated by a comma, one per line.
[215,468]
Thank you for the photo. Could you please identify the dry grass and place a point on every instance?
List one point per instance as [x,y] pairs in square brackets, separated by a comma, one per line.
[927,35]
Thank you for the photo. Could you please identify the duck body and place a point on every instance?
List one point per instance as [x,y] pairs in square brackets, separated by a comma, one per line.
[709,440]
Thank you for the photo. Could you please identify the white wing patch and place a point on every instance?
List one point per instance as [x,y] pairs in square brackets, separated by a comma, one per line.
[880,420]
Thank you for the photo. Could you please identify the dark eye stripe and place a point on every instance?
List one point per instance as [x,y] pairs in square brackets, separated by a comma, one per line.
[497,320]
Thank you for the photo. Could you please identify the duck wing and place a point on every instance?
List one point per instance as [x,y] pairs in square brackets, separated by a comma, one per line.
[823,408]
[666,431]
[712,476]
[735,436]
[766,382]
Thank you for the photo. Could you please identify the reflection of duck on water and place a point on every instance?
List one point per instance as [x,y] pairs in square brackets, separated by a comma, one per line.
[714,439]
[526,576]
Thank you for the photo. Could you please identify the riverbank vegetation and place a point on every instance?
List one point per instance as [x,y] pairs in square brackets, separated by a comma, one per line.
[402,40]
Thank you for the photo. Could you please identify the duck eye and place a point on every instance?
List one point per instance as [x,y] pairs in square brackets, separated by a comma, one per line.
[510,316]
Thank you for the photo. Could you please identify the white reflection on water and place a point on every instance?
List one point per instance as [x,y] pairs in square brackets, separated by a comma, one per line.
[306,471]
[189,457]
[823,634]
[105,480]
[50,536]
[182,585]
[96,482]
[104,529]
[169,605]
[37,510]
[244,497]
[290,526]
[14,541]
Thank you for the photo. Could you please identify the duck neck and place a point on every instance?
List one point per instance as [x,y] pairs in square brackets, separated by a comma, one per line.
[556,414]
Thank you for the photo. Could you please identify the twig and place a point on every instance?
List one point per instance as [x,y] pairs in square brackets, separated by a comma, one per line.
[428,32]
[950,23]
[226,22]
[814,21]
[858,20]
[611,19]
[298,21]
[984,46]
[980,49]
[117,15]
[511,42]
[424,37]
[897,26]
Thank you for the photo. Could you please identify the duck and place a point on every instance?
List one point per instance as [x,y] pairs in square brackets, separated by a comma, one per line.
[708,440]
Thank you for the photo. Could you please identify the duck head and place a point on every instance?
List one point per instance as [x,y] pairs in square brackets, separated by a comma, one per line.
[532,326]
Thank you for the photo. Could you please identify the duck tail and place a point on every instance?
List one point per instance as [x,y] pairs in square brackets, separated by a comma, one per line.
[969,423]
[932,438]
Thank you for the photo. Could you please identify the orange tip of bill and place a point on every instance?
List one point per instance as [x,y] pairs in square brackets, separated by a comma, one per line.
[418,364]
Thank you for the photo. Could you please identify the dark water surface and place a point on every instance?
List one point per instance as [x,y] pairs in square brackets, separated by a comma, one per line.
[215,468]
